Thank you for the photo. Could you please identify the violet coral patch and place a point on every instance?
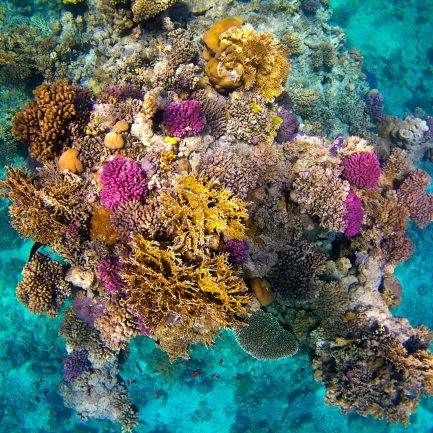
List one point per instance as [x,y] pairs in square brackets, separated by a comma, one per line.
[75,365]
[184,119]
[362,169]
[354,216]
[237,249]
[109,274]
[122,180]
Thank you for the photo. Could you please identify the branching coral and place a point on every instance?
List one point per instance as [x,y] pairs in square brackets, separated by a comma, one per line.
[199,211]
[166,288]
[43,124]
[245,58]
[44,212]
[43,289]
[265,338]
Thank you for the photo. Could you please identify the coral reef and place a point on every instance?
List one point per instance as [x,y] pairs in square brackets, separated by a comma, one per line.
[190,197]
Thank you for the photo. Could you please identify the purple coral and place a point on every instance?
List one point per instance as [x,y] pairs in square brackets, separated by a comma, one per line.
[109,274]
[87,309]
[374,105]
[237,249]
[122,180]
[122,92]
[362,169]
[75,365]
[428,135]
[184,119]
[288,127]
[354,215]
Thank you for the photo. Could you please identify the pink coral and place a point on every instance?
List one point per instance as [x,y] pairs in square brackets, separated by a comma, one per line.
[109,274]
[184,119]
[354,215]
[122,180]
[362,169]
[237,249]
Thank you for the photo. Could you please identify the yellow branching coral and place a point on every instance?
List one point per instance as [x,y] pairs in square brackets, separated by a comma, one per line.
[246,58]
[170,290]
[43,213]
[200,210]
[43,289]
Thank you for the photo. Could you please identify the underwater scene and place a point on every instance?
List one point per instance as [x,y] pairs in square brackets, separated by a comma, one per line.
[216,216]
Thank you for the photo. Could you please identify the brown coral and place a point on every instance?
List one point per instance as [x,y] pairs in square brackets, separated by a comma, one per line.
[43,289]
[43,124]
[146,9]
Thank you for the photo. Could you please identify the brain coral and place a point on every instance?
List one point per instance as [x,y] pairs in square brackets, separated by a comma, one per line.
[43,124]
[264,338]
[146,9]
[122,180]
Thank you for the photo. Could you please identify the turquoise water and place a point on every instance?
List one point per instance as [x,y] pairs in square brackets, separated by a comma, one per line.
[233,393]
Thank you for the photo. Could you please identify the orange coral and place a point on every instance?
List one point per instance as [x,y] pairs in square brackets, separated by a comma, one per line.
[242,57]
[100,228]
[69,161]
[43,123]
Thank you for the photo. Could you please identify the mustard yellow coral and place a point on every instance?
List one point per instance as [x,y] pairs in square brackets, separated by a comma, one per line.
[177,293]
[246,58]
[199,210]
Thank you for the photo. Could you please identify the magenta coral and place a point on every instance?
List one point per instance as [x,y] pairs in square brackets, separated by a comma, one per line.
[237,249]
[354,215]
[184,119]
[122,180]
[362,169]
[109,274]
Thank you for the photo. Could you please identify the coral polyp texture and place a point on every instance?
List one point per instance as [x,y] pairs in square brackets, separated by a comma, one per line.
[189,197]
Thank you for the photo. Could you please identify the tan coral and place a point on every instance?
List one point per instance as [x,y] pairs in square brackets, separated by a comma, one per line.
[69,161]
[146,9]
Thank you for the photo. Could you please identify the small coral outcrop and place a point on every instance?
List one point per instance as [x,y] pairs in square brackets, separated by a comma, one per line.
[146,9]
[238,56]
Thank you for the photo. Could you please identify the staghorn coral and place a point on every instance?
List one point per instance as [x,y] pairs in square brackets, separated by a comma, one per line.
[146,9]
[43,124]
[43,289]
[245,58]
[295,276]
[265,338]
[167,288]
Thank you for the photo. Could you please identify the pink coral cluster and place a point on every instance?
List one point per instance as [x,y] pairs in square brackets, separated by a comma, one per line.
[122,180]
[237,249]
[361,169]
[184,119]
[354,215]
[109,274]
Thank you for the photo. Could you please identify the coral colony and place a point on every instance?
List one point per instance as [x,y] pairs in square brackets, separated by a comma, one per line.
[204,188]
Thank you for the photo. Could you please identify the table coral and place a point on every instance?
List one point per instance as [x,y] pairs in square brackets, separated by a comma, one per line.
[43,289]
[265,338]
